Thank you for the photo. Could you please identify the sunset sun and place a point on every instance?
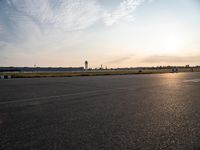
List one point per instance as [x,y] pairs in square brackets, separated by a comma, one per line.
[170,41]
[172,44]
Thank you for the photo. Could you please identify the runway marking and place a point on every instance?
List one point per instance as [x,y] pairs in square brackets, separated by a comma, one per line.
[192,80]
[58,96]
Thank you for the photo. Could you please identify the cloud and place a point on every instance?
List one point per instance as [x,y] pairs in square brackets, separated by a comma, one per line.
[77,14]
[158,59]
[43,24]
[69,15]
[65,14]
[125,9]
[121,59]
[39,10]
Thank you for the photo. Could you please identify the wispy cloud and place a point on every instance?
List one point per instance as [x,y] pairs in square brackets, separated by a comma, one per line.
[157,59]
[49,20]
[125,9]
[64,14]
[121,59]
[49,26]
[68,15]
[78,14]
[41,23]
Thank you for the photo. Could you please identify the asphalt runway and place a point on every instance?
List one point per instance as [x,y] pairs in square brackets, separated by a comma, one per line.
[106,112]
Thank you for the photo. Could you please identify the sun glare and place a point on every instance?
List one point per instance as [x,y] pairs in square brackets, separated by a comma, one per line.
[172,44]
[168,38]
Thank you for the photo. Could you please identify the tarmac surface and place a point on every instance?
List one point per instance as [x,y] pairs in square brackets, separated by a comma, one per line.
[160,111]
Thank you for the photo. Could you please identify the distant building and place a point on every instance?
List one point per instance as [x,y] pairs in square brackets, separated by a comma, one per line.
[86,65]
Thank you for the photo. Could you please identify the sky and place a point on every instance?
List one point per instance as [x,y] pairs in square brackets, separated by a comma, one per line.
[112,33]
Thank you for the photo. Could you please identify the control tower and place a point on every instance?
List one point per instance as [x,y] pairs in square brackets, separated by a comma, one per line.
[86,65]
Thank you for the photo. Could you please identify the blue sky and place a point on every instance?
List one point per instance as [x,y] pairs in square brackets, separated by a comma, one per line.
[115,33]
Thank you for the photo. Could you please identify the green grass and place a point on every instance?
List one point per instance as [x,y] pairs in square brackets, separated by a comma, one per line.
[89,73]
